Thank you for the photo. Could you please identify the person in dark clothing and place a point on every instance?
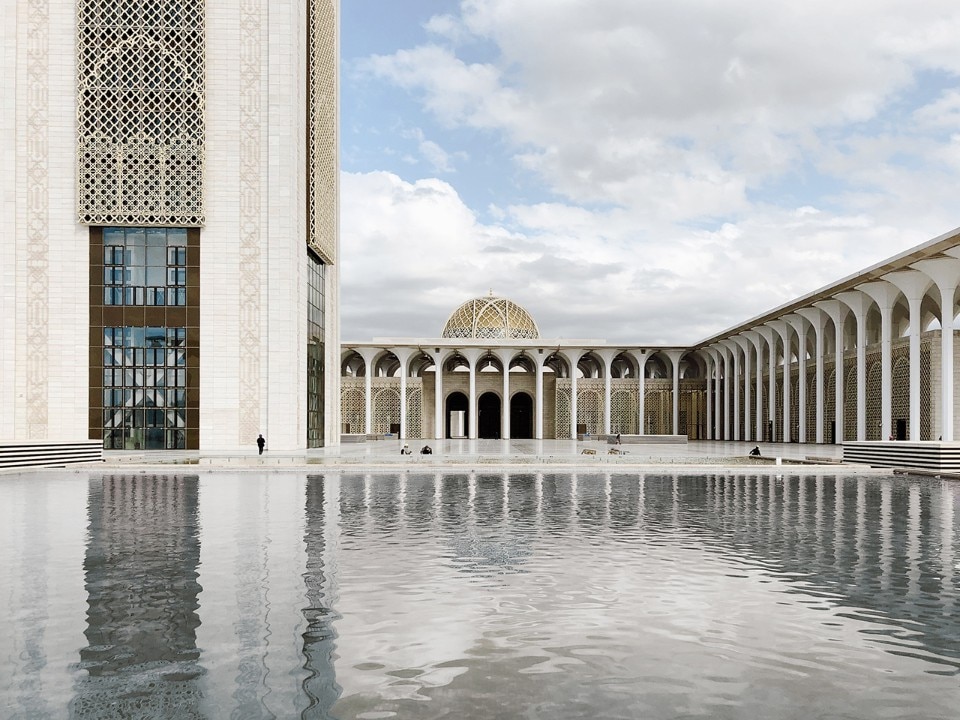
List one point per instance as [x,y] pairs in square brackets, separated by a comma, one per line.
[261,443]
[756,451]
[426,450]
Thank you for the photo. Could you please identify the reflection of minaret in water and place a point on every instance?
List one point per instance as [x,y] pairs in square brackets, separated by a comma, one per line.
[319,638]
[141,565]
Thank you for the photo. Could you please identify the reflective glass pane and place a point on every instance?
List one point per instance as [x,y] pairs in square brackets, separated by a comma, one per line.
[176,236]
[156,275]
[113,236]
[157,255]
[155,336]
[156,237]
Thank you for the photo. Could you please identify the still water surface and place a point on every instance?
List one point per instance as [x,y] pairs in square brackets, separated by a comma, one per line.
[479,595]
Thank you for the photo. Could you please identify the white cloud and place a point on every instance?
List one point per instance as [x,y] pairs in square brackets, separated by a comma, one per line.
[414,251]
[676,107]
[707,161]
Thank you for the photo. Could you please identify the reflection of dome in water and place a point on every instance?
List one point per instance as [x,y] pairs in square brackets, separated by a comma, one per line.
[490,317]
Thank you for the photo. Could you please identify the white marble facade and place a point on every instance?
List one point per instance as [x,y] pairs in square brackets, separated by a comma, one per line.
[253,337]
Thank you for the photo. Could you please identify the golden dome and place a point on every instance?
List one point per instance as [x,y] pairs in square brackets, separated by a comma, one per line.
[491,317]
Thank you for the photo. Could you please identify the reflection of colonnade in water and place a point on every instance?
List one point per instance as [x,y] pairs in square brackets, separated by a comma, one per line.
[873,543]
[220,596]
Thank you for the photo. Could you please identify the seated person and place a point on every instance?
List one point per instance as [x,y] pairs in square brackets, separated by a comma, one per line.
[405,450]
[426,450]
[756,451]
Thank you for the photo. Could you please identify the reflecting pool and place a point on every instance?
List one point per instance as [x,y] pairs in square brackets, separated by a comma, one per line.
[478,595]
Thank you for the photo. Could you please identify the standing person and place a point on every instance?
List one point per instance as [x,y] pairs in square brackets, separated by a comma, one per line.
[261,443]
[618,439]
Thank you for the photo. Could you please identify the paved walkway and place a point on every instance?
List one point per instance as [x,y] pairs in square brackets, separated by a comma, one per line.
[386,451]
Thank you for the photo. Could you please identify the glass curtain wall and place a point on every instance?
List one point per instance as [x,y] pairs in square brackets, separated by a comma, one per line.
[144,319]
[315,346]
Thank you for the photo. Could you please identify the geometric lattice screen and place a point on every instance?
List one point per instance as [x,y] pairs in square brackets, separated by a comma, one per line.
[140,112]
[322,131]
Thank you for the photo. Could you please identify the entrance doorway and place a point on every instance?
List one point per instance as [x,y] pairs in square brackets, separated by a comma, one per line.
[458,418]
[488,420]
[521,416]
[901,429]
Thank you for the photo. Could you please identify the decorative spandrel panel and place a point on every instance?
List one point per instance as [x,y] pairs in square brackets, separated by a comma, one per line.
[353,405]
[322,131]
[414,408]
[140,112]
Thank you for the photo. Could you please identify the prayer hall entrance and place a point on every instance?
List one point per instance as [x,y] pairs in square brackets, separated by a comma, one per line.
[488,422]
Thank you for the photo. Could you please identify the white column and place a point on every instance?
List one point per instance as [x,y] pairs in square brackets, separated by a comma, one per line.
[505,405]
[754,338]
[505,355]
[472,356]
[572,356]
[736,392]
[710,369]
[783,330]
[945,273]
[725,354]
[538,429]
[439,425]
[745,346]
[403,355]
[607,355]
[675,357]
[718,420]
[860,304]
[770,336]
[799,325]
[369,355]
[641,357]
[816,319]
[885,295]
[837,312]
[914,285]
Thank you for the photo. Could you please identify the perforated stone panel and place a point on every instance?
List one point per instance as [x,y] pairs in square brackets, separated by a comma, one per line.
[874,400]
[623,410]
[829,402]
[850,401]
[353,405]
[811,415]
[322,133]
[140,112]
[414,408]
[563,409]
[900,402]
[385,393]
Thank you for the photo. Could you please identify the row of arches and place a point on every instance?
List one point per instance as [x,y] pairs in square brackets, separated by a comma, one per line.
[415,362]
[489,415]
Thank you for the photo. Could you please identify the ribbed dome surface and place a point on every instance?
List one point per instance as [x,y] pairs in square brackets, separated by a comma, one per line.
[491,317]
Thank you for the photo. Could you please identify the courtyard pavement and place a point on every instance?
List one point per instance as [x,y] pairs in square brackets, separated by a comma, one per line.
[385,452]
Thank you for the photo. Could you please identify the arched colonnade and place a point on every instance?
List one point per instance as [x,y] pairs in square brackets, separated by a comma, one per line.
[604,393]
[868,359]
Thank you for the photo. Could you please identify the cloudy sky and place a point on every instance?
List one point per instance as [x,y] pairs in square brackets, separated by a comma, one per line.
[636,170]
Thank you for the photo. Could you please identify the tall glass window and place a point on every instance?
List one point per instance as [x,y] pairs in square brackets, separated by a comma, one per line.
[145,266]
[144,388]
[315,345]
[145,337]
